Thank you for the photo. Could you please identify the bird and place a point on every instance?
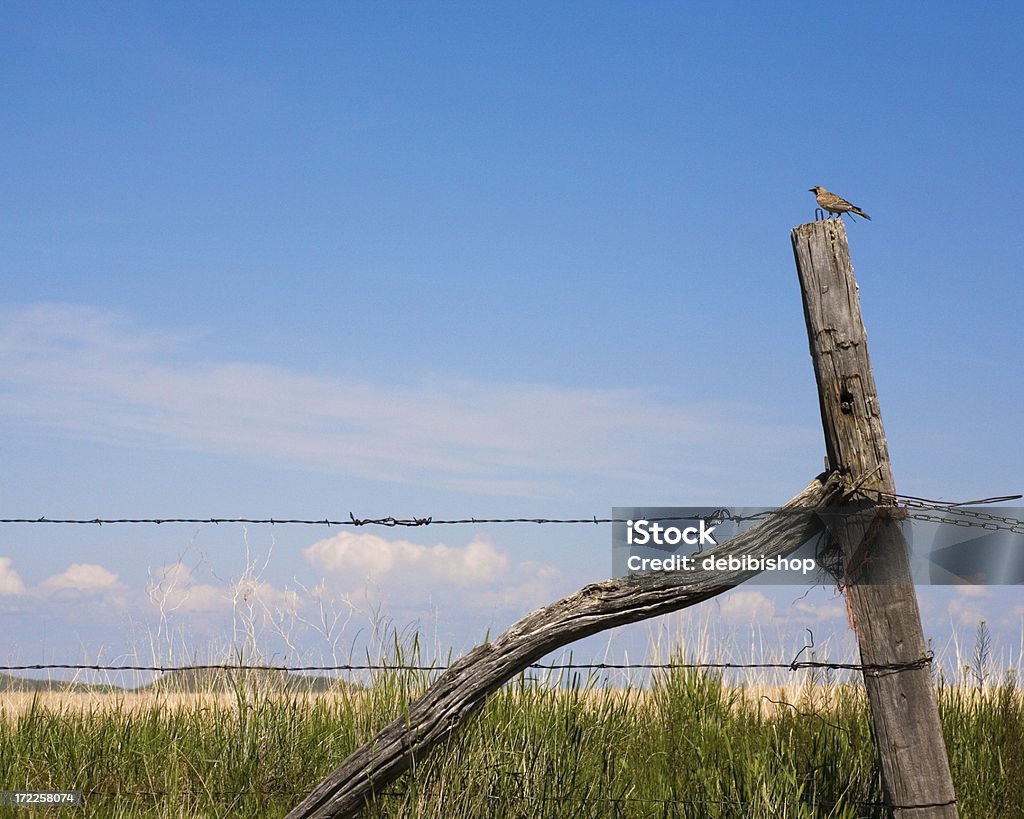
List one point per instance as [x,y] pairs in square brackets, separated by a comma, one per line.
[835,205]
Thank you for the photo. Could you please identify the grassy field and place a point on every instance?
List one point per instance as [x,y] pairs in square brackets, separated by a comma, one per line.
[688,745]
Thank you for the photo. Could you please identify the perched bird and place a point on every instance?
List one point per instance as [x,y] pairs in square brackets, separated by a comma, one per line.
[835,204]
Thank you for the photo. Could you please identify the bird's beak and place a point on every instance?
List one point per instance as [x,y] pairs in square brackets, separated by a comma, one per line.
[811,190]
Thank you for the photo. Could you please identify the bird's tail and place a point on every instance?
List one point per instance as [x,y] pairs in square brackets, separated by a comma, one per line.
[861,213]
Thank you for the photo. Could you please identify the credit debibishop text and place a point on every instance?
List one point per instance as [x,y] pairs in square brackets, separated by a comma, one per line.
[747,563]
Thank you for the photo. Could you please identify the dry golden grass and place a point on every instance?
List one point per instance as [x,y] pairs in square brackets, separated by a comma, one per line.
[767,700]
[13,704]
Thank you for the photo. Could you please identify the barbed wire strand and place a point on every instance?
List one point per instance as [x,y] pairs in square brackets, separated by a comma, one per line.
[795,665]
[391,521]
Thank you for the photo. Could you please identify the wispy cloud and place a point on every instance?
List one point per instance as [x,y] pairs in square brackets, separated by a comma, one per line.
[88,372]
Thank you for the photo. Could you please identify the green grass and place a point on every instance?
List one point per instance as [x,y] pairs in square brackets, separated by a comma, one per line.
[689,745]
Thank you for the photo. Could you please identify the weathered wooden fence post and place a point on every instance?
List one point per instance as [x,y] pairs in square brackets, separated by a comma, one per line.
[915,768]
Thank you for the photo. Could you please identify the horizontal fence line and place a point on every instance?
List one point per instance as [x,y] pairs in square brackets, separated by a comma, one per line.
[387,521]
[795,665]
[351,521]
[905,502]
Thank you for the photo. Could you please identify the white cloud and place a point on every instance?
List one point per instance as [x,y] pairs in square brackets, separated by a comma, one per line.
[355,557]
[83,578]
[819,611]
[747,606]
[973,591]
[759,608]
[533,589]
[174,574]
[174,588]
[478,572]
[10,581]
[965,611]
[84,371]
[265,596]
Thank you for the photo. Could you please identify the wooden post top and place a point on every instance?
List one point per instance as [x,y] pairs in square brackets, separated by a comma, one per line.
[850,414]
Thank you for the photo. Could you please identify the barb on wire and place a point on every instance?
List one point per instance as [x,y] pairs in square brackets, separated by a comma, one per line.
[807,646]
[385,521]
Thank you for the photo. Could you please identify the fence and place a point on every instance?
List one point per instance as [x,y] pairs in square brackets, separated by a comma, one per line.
[955,513]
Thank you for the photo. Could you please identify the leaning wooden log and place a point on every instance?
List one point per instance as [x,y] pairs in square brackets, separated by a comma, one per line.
[466,685]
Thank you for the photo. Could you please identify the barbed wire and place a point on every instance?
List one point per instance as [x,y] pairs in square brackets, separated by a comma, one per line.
[907,501]
[795,665]
[386,521]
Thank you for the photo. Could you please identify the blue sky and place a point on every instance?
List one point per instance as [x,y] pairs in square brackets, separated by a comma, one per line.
[474,260]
